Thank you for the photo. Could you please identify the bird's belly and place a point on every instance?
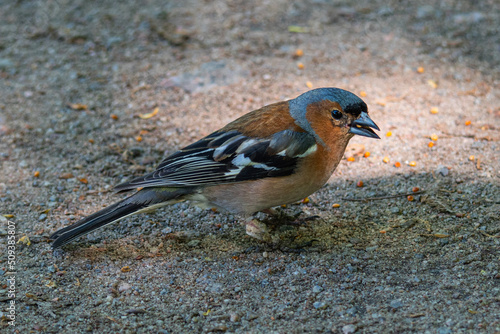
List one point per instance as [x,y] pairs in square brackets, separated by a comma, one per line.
[252,196]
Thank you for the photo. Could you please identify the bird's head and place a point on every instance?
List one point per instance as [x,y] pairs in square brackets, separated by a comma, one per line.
[327,112]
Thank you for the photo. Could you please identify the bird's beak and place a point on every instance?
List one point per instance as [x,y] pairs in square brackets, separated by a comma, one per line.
[362,126]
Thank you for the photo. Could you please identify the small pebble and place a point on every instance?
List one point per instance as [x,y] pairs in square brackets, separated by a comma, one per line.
[166,230]
[352,311]
[444,330]
[395,210]
[442,170]
[193,243]
[320,305]
[348,329]
[6,64]
[395,304]
[317,289]
[123,287]
[42,217]
[234,317]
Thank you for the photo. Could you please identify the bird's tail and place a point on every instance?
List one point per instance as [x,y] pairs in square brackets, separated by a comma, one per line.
[144,200]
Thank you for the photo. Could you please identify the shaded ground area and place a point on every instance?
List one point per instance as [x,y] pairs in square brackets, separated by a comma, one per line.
[76,77]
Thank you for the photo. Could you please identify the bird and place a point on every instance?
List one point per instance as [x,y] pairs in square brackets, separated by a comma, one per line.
[275,155]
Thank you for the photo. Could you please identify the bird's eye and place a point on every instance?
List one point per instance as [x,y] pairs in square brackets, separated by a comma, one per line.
[336,114]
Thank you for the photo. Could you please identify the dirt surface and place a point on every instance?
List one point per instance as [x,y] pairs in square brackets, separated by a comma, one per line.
[76,75]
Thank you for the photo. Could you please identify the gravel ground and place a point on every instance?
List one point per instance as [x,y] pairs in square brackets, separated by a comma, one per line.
[75,77]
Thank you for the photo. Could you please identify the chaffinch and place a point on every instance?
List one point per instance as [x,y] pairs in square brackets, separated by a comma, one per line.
[275,155]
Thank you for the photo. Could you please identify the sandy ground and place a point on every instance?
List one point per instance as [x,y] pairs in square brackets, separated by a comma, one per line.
[74,78]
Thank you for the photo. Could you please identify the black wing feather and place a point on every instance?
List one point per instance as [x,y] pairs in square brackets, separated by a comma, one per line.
[225,157]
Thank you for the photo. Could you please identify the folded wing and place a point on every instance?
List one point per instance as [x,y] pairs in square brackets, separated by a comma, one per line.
[225,157]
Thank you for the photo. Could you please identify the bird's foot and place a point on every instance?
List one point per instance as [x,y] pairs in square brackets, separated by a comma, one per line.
[278,217]
[269,229]
[261,227]
[258,230]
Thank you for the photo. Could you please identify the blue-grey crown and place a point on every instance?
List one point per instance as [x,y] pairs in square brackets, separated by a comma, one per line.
[349,102]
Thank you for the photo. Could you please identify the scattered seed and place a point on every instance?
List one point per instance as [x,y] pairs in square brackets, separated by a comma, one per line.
[91,140]
[8,215]
[305,200]
[385,160]
[415,189]
[125,269]
[138,138]
[432,83]
[298,29]
[309,84]
[149,115]
[113,116]
[471,157]
[420,69]
[412,163]
[430,144]
[359,184]
[336,205]
[83,180]
[66,176]
[434,137]
[367,154]
[351,159]
[299,53]
[78,106]
[434,110]
[410,198]
[51,284]
[397,164]
[362,93]
[467,123]
[388,134]
[25,240]
[36,174]
[300,66]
